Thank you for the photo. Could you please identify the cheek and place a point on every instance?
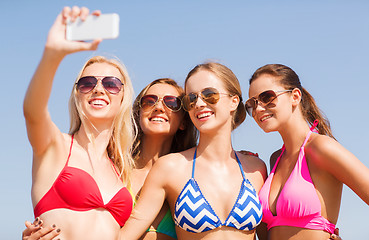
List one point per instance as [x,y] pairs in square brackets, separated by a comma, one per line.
[176,120]
[142,122]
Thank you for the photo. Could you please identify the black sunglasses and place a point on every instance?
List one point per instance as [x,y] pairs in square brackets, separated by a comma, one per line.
[265,98]
[209,95]
[111,84]
[173,103]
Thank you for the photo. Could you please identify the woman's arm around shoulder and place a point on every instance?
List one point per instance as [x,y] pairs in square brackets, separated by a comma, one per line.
[152,196]
[36,231]
[331,156]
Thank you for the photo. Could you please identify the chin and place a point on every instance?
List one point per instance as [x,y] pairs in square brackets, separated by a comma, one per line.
[266,129]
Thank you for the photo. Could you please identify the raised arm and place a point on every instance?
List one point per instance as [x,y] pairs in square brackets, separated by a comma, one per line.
[40,128]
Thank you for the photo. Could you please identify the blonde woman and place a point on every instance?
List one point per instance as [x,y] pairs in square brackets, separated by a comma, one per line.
[81,179]
[211,189]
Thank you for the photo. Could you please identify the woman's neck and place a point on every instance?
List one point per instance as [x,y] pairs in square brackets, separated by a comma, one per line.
[215,146]
[293,134]
[152,148]
[94,142]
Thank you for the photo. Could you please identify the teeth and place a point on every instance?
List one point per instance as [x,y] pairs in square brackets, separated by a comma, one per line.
[98,102]
[157,119]
[265,118]
[202,115]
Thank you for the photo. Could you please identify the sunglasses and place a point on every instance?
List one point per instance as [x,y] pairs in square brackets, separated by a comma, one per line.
[173,103]
[265,98]
[111,84]
[209,95]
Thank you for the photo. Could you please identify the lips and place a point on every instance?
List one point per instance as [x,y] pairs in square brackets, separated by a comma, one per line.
[265,117]
[99,103]
[158,119]
[203,115]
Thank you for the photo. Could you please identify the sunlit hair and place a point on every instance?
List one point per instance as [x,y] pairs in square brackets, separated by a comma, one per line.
[122,133]
[230,83]
[182,140]
[290,80]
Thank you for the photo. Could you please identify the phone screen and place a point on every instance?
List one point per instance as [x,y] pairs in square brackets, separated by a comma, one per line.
[105,26]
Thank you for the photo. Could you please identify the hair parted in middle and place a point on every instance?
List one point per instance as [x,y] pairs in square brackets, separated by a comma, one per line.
[183,139]
[231,84]
[122,133]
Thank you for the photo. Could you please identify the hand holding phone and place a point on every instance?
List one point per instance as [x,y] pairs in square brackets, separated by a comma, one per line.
[105,26]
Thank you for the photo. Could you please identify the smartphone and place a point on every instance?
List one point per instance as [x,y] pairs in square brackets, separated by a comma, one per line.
[105,26]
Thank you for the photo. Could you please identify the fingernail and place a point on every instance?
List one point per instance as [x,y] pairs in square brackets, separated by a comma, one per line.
[58,230]
[54,226]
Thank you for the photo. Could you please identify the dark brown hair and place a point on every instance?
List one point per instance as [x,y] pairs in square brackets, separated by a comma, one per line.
[290,80]
[183,139]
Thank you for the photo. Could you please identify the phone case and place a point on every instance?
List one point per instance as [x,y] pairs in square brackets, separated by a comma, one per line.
[105,26]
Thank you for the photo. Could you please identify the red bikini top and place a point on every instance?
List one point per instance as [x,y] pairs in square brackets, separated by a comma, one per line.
[76,190]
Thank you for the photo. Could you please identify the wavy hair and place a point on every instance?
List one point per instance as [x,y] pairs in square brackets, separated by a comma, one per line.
[183,139]
[122,133]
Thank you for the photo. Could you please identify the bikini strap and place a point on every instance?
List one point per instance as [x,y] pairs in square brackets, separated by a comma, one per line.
[239,164]
[194,161]
[115,169]
[70,150]
[193,164]
[312,129]
[280,155]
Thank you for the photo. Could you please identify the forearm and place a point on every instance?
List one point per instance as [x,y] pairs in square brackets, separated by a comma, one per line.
[39,89]
[134,228]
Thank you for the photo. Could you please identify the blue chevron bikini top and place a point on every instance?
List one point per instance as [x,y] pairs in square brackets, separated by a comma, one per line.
[193,213]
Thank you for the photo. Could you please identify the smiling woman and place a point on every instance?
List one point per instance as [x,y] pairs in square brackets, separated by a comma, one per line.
[211,189]
[81,179]
[301,197]
[163,127]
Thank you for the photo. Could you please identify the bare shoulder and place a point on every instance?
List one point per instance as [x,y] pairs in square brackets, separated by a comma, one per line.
[320,142]
[56,152]
[171,170]
[323,150]
[255,169]
[251,163]
[174,162]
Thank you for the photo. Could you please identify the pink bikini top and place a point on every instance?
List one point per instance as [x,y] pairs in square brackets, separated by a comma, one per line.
[298,204]
[76,190]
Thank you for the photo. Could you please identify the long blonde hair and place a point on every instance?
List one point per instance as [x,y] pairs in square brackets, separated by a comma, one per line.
[183,139]
[122,133]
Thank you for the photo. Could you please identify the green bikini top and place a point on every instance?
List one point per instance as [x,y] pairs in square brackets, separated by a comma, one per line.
[166,226]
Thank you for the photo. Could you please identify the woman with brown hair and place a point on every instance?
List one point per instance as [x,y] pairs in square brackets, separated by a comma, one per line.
[302,195]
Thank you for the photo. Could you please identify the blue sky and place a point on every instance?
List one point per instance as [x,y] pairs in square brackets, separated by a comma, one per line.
[325,42]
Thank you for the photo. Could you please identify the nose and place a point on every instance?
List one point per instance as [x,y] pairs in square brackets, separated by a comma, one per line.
[259,107]
[99,87]
[200,103]
[159,106]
